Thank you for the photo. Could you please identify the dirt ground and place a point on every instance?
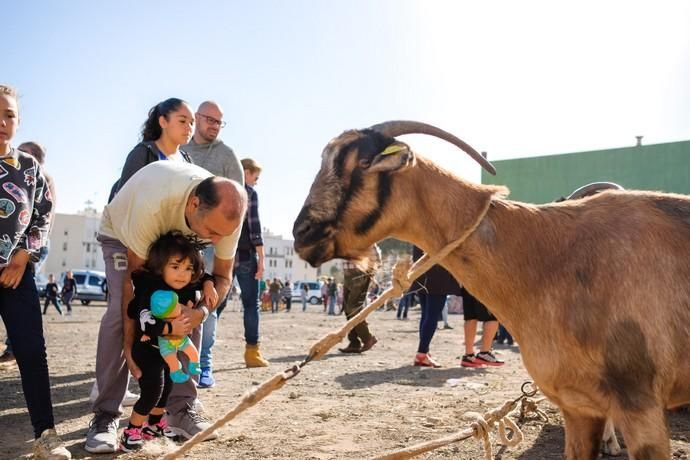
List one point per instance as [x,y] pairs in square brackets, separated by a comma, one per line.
[342,407]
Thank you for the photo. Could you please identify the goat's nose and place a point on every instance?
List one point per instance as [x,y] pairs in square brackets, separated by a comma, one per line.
[302,226]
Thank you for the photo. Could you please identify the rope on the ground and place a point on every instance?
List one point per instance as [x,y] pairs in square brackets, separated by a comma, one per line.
[403,276]
[479,429]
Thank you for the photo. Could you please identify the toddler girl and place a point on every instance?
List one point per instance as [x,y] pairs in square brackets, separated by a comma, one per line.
[174,264]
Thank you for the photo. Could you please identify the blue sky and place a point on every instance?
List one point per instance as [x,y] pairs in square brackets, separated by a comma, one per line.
[511,78]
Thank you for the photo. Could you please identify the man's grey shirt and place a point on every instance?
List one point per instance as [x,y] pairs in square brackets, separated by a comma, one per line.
[217,158]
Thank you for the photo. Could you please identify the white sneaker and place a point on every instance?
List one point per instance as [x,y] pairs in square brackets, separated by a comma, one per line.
[50,447]
[130,398]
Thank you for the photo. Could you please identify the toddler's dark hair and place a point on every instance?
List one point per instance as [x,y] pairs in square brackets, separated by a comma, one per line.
[173,244]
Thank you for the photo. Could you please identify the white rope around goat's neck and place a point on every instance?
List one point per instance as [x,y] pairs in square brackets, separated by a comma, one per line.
[403,276]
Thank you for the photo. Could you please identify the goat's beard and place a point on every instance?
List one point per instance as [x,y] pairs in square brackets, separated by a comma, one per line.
[367,261]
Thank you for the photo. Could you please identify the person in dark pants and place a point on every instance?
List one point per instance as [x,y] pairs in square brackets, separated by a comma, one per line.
[26,209]
[286,292]
[355,290]
[52,295]
[432,288]
[69,290]
[404,305]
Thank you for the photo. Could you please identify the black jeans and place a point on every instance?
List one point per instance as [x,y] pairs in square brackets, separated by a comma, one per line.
[21,312]
[155,383]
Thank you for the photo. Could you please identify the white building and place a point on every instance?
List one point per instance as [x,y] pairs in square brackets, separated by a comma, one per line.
[73,243]
[282,262]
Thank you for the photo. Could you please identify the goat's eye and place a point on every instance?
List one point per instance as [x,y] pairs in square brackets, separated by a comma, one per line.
[364,163]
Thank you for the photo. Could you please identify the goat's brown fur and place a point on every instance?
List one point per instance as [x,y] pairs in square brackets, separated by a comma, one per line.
[596,291]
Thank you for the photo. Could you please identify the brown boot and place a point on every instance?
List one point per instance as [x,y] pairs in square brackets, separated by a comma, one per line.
[253,358]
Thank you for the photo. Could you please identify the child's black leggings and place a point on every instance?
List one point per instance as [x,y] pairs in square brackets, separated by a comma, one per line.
[155,383]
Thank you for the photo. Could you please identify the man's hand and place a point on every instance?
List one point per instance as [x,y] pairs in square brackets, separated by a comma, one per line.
[131,365]
[259,269]
[209,294]
[193,315]
[180,326]
[11,276]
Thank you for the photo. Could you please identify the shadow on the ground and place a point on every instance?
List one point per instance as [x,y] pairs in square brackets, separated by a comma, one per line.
[61,390]
[406,375]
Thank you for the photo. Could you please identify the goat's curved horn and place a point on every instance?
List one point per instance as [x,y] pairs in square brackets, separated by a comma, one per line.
[591,189]
[400,127]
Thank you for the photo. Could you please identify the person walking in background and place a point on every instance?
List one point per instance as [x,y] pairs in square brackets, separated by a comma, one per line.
[404,305]
[324,294]
[504,336]
[208,151]
[355,288]
[473,311]
[444,315]
[332,296]
[52,295]
[20,307]
[274,289]
[69,290]
[432,288]
[286,293]
[304,291]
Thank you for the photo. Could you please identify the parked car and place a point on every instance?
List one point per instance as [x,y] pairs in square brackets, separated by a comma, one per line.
[313,296]
[91,285]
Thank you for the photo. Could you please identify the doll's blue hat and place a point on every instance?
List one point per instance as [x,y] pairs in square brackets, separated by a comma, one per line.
[163,303]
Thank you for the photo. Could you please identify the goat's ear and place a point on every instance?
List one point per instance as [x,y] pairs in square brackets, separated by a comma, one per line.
[393,158]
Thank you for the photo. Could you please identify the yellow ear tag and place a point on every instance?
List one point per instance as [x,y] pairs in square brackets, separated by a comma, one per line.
[393,148]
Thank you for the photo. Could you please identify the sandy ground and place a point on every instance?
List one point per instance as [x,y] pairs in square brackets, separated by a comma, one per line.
[353,407]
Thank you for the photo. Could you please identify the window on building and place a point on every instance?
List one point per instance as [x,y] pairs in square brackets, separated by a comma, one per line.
[64,263]
[66,232]
[88,247]
[64,246]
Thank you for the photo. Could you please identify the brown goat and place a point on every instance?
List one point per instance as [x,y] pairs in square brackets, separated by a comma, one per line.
[596,290]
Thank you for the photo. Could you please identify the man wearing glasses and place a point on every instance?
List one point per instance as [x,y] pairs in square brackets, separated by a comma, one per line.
[211,153]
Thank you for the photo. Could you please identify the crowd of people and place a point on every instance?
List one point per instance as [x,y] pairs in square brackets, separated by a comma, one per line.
[197,230]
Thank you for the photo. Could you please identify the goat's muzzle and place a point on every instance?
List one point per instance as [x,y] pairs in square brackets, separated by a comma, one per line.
[312,239]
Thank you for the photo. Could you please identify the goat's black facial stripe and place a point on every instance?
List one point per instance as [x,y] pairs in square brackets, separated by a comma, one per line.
[383,195]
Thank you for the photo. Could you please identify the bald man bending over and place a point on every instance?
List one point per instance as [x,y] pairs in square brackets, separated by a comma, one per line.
[160,197]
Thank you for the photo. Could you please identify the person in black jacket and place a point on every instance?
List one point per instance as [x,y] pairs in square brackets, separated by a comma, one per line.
[169,125]
[52,295]
[174,264]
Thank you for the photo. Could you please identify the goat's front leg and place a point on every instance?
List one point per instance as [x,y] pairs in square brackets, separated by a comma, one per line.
[610,444]
[645,433]
[583,436]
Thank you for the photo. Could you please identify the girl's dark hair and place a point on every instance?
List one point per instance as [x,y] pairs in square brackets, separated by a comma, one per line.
[151,129]
[173,244]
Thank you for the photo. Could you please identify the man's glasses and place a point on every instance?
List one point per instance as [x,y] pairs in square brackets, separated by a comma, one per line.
[212,121]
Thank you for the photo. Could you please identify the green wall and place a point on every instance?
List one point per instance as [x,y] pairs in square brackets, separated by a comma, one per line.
[664,167]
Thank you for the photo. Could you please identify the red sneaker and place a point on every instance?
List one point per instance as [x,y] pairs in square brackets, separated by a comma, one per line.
[425,360]
[471,361]
[488,359]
